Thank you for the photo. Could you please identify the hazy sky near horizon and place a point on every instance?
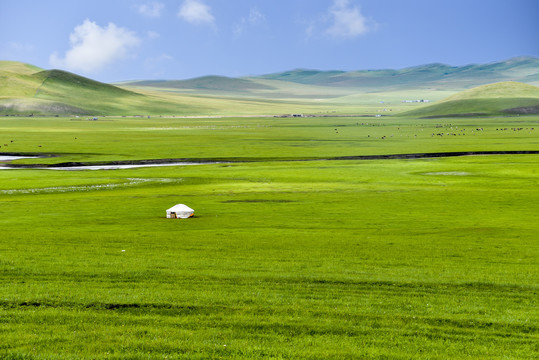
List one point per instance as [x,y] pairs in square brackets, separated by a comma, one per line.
[117,40]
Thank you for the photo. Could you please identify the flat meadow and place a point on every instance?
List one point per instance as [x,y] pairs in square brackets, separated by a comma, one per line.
[291,254]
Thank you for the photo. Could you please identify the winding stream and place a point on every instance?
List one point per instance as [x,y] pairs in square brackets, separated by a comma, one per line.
[177,162]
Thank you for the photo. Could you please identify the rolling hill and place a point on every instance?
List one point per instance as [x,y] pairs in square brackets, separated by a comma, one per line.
[25,89]
[18,67]
[499,98]
[522,69]
[210,83]
[17,80]
[435,81]
[28,89]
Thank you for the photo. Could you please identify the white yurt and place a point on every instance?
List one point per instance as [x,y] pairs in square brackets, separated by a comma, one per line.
[180,211]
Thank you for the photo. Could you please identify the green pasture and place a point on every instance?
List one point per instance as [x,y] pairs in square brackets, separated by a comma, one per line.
[500,98]
[263,138]
[284,259]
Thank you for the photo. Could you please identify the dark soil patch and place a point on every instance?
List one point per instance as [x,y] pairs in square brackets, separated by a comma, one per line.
[525,110]
[453,115]
[433,155]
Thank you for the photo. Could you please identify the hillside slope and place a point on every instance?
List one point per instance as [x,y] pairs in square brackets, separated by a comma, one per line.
[210,83]
[522,69]
[301,83]
[16,79]
[78,92]
[25,89]
[19,67]
[499,98]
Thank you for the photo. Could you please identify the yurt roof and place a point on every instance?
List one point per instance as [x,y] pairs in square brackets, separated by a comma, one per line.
[180,207]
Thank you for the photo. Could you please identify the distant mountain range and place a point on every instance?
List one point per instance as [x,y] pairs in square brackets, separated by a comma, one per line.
[28,89]
[439,76]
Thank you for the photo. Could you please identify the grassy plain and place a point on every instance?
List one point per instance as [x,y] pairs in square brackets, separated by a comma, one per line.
[425,258]
[117,138]
[493,99]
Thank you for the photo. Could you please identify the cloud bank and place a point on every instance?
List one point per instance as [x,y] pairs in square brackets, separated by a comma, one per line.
[94,47]
[151,10]
[348,22]
[196,12]
[255,17]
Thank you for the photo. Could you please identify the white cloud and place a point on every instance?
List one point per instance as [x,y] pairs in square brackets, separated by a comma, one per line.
[254,18]
[311,28]
[151,61]
[348,22]
[153,35]
[196,12]
[94,47]
[152,10]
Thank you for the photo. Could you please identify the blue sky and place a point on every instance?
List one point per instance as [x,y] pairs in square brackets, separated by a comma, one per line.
[119,40]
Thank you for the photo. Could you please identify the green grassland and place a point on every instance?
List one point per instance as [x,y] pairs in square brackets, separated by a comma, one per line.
[292,254]
[285,258]
[314,260]
[499,98]
[258,139]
